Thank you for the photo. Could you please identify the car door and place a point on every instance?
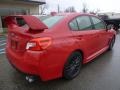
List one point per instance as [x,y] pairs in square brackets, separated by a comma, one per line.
[82,29]
[99,26]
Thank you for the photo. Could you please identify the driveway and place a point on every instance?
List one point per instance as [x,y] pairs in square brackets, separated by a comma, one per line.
[101,74]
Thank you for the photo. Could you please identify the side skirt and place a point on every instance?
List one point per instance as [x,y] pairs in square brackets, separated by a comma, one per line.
[96,54]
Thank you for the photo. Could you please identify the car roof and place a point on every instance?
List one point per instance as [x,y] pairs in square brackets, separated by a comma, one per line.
[74,14]
[68,14]
[61,14]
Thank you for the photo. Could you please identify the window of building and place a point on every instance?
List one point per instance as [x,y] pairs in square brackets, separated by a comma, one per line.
[11,11]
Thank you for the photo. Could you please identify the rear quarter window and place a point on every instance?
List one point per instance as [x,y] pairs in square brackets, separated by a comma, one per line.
[73,25]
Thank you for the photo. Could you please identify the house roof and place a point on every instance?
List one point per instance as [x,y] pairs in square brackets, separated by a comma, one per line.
[37,2]
[34,1]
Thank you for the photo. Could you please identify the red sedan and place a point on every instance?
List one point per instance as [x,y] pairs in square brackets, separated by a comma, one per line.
[56,46]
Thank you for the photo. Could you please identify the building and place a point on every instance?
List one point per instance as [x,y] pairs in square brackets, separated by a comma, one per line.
[13,7]
[111,18]
[111,15]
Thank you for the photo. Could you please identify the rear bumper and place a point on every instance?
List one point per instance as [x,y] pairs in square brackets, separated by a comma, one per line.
[23,62]
[36,63]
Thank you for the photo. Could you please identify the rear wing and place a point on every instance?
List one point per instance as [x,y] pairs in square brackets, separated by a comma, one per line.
[33,22]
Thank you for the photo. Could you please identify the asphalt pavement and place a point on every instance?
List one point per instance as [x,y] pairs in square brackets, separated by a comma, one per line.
[101,74]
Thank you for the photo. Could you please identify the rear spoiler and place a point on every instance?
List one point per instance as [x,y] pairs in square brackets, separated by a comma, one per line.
[33,22]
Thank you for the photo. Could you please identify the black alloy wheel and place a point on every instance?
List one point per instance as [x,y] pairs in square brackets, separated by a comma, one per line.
[73,66]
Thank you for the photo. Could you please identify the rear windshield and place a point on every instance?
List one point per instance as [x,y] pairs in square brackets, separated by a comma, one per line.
[50,21]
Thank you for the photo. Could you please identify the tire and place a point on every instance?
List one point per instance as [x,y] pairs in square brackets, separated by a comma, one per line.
[73,66]
[112,42]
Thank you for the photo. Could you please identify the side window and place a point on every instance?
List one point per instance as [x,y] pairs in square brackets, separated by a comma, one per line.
[73,25]
[84,23]
[98,24]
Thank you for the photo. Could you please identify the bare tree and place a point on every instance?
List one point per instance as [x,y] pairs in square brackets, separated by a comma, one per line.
[70,9]
[85,9]
[43,8]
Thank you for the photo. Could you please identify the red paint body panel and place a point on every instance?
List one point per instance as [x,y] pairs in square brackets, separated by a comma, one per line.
[49,63]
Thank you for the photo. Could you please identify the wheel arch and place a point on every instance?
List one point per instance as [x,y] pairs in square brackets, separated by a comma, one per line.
[82,53]
[78,51]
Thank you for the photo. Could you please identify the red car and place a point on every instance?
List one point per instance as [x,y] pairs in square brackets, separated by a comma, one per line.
[56,46]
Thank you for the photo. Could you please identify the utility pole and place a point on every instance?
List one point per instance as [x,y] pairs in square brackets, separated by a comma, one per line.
[58,7]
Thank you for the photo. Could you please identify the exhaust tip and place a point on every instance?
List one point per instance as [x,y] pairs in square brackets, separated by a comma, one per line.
[30,79]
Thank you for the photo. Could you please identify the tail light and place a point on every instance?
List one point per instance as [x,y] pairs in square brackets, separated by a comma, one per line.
[38,44]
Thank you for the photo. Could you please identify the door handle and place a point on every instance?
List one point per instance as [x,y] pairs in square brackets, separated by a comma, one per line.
[79,37]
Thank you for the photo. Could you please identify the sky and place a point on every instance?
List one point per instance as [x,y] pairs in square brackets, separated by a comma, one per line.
[102,5]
